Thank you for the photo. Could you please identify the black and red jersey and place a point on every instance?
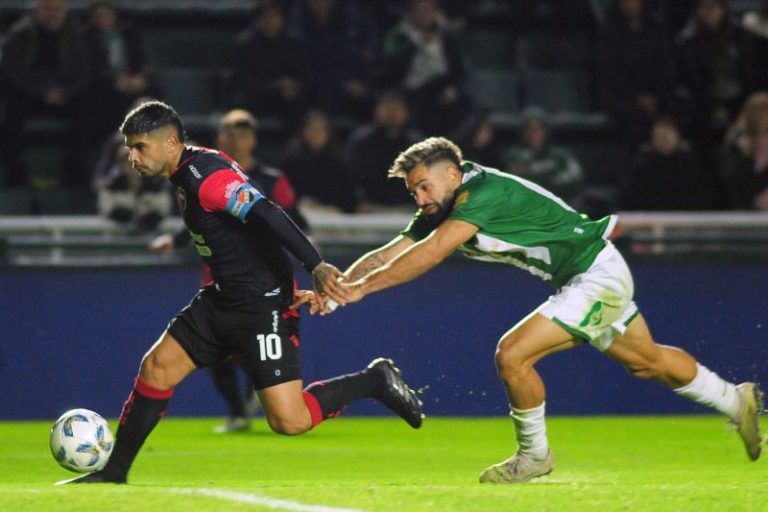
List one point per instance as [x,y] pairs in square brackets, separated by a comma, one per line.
[215,196]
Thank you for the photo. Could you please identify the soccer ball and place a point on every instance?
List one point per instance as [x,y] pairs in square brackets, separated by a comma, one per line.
[81,441]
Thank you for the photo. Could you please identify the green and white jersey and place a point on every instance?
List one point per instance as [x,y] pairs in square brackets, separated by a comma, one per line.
[521,224]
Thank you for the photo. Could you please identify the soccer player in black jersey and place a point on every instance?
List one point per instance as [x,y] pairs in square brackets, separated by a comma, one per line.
[247,310]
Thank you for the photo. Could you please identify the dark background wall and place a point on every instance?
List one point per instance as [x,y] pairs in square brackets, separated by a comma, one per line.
[74,338]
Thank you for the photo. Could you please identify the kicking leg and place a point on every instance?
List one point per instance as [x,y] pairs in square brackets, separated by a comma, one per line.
[679,371]
[162,368]
[291,410]
[518,351]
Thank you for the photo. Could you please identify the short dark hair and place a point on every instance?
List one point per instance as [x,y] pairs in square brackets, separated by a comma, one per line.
[150,116]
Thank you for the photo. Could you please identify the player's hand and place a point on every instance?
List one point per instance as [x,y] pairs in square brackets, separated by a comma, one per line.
[353,291]
[162,243]
[326,280]
[302,297]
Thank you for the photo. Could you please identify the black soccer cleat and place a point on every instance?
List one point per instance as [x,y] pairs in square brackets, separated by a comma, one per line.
[97,477]
[396,394]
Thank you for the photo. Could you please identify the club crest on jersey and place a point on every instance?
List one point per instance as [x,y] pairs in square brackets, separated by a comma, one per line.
[461,199]
[181,197]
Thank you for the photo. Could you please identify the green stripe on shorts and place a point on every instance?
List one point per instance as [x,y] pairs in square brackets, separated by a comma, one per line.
[580,335]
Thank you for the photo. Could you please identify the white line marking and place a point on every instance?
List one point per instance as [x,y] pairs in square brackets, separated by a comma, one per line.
[264,501]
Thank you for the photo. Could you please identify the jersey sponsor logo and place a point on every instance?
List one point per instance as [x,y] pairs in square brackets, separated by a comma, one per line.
[273,293]
[230,188]
[181,197]
[195,172]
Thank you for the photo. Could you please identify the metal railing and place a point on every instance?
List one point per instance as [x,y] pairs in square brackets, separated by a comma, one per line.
[95,241]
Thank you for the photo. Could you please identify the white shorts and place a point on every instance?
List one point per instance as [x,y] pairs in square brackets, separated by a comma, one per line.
[596,305]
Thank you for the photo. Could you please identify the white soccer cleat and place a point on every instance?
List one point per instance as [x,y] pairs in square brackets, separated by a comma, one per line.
[233,425]
[252,405]
[518,469]
[745,421]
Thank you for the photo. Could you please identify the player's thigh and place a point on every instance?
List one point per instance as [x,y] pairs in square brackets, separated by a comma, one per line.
[166,363]
[635,347]
[284,407]
[266,336]
[531,339]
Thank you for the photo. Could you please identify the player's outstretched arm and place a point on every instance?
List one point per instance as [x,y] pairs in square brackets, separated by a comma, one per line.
[377,258]
[414,261]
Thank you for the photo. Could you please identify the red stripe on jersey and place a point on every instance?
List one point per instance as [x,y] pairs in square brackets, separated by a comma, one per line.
[217,188]
[283,194]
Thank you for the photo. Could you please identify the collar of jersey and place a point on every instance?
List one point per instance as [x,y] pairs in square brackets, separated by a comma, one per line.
[186,156]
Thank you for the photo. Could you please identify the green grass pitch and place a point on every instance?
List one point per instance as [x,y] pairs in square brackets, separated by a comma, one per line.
[628,464]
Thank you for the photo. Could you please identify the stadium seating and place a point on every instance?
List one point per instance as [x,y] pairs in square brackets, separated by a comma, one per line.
[497,89]
[558,90]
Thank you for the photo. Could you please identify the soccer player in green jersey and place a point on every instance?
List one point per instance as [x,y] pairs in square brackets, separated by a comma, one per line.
[493,216]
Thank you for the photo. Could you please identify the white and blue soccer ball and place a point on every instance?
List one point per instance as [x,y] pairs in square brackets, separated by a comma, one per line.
[81,441]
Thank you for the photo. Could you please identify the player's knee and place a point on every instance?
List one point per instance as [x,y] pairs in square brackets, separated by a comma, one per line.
[288,426]
[153,370]
[509,358]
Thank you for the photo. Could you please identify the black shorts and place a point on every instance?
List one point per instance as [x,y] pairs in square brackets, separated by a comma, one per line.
[262,331]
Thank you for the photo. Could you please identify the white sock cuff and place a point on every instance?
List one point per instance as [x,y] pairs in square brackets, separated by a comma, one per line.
[539,409]
[701,373]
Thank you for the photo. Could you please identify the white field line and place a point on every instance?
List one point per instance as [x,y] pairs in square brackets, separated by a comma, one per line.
[264,501]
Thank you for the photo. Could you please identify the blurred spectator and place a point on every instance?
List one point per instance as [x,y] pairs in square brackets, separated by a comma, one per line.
[270,67]
[552,167]
[340,38]
[478,140]
[665,174]
[317,168]
[139,204]
[373,147]
[745,156]
[119,68]
[238,137]
[714,63]
[422,56]
[45,71]
[635,67]
[756,24]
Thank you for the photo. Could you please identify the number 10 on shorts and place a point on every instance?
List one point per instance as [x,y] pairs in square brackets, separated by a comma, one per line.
[270,346]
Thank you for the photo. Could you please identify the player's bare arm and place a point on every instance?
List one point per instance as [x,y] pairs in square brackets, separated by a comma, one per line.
[367,263]
[377,258]
[414,261]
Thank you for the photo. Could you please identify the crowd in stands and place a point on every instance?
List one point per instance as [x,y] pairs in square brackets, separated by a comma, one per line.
[352,83]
